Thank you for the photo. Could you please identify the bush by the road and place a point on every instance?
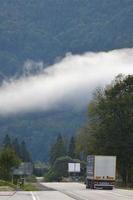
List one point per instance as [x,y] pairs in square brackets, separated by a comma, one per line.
[50,176]
[29,187]
[59,170]
[31,179]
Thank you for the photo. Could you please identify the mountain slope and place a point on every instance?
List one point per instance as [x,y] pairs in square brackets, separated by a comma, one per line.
[40,130]
[47,30]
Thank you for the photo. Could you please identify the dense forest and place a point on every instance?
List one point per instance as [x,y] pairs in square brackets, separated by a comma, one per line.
[46,31]
[49,29]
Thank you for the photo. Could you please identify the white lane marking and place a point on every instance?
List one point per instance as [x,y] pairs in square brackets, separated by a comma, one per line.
[37,197]
[34,196]
[73,195]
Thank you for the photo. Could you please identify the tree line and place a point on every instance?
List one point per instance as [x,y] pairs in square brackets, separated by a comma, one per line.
[108,131]
[12,153]
[60,148]
[61,153]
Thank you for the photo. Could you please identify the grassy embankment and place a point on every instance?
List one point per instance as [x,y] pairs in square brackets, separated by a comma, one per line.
[8,186]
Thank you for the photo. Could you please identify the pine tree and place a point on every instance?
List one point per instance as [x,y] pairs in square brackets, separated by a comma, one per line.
[57,150]
[7,142]
[25,156]
[8,160]
[71,148]
[16,147]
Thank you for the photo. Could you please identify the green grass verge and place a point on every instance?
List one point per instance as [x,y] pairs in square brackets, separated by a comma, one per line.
[29,187]
[8,186]
[5,186]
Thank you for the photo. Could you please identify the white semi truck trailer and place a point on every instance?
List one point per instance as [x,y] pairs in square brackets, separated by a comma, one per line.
[101,172]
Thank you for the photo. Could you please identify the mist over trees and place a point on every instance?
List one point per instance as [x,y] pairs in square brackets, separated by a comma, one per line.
[109,130]
[46,31]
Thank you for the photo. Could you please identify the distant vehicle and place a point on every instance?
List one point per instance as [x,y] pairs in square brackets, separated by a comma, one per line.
[101,172]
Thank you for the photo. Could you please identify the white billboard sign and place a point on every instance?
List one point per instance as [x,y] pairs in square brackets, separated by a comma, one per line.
[77,167]
[73,167]
[70,167]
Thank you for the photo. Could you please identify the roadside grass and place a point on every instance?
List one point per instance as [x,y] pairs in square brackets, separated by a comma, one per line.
[6,186]
[29,187]
[122,186]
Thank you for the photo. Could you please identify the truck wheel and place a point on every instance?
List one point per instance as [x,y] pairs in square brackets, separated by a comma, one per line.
[92,185]
[87,184]
[87,187]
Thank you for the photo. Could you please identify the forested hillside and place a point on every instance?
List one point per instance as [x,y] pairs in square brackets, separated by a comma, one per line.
[46,30]
[39,130]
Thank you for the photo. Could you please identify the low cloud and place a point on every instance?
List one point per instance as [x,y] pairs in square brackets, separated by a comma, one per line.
[70,81]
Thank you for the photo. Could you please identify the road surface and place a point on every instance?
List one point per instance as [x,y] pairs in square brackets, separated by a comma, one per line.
[70,191]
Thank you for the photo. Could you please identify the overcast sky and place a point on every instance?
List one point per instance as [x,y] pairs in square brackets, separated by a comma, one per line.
[71,81]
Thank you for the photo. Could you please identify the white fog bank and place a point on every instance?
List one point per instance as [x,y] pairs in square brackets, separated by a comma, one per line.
[70,81]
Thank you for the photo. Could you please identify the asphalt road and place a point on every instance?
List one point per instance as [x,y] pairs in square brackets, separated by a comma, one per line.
[69,191]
